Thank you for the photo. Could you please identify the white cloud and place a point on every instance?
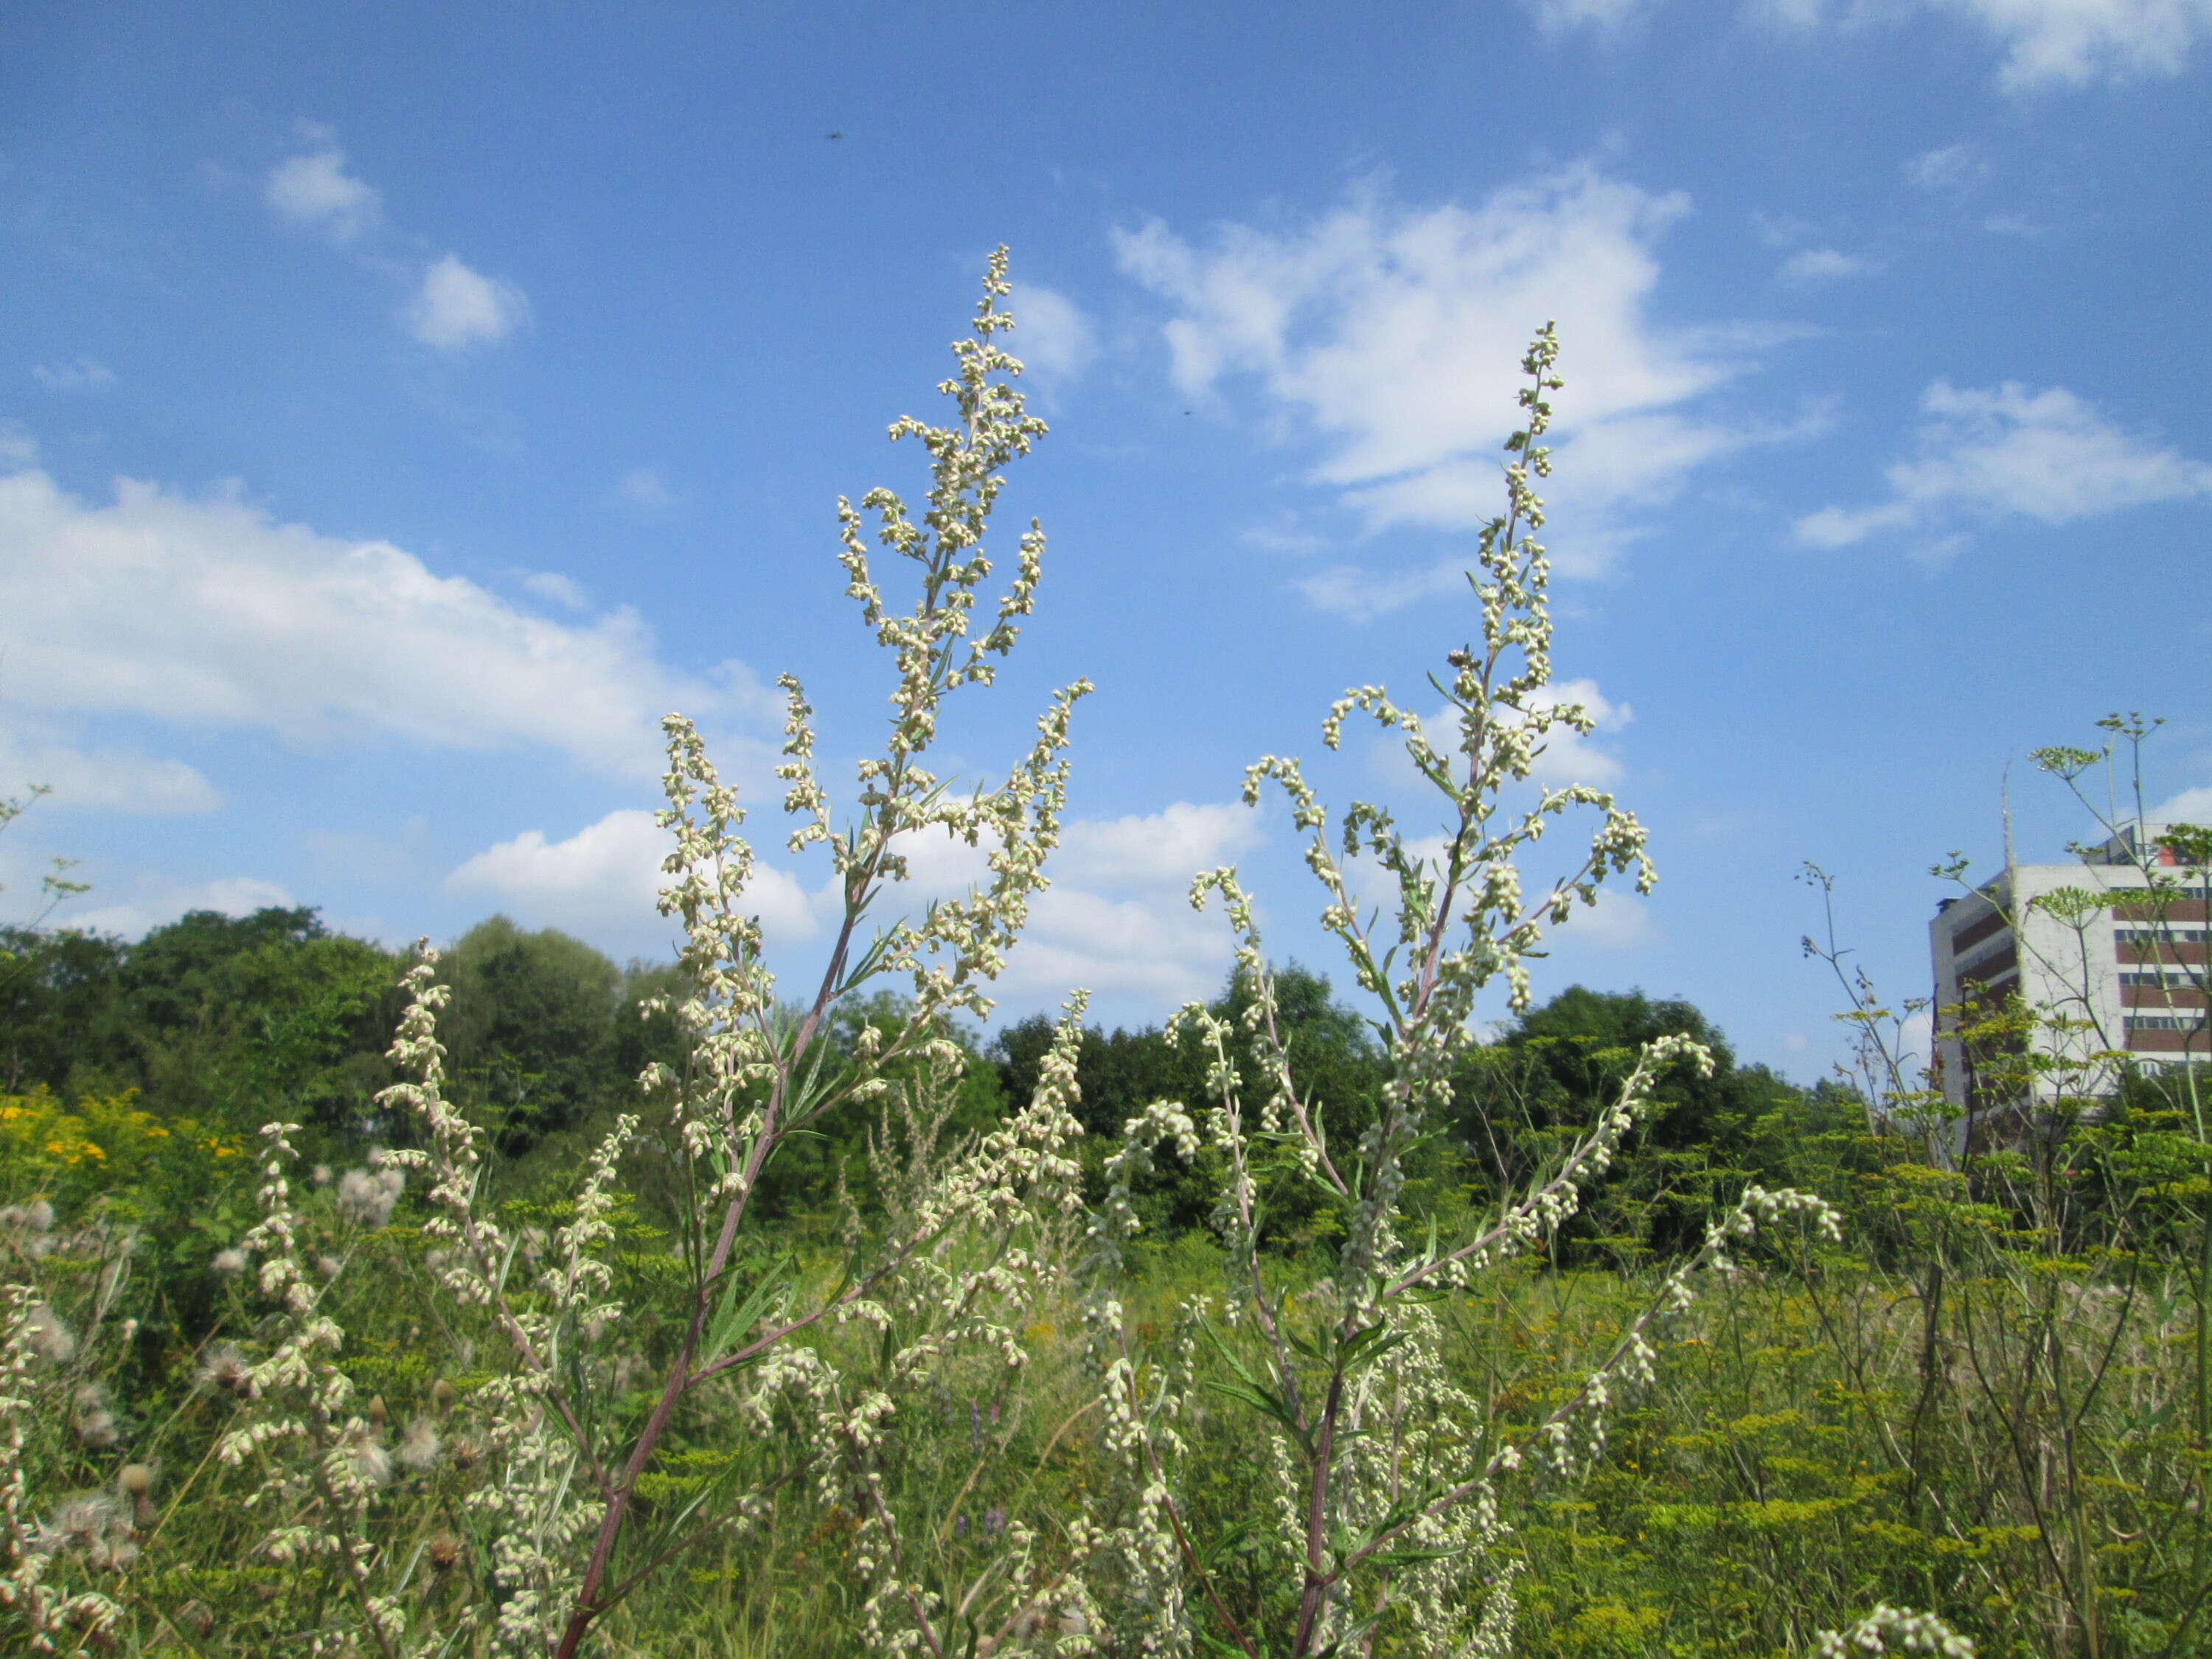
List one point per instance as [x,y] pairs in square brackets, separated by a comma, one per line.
[1167,848]
[1619,921]
[1984,453]
[314,189]
[1556,17]
[457,307]
[81,374]
[1153,947]
[1052,334]
[644,488]
[212,613]
[1396,335]
[564,590]
[1138,937]
[2047,43]
[1814,264]
[2189,806]
[1952,167]
[119,779]
[2073,43]
[604,881]
[232,895]
[1568,756]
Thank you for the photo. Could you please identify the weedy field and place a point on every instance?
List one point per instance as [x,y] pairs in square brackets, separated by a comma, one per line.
[1285,1330]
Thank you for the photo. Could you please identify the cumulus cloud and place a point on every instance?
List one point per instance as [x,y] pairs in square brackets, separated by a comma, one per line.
[1814,264]
[1568,756]
[456,308]
[1052,334]
[604,881]
[1116,919]
[79,374]
[1164,847]
[2007,451]
[1619,921]
[2189,806]
[314,189]
[1152,947]
[210,612]
[1395,334]
[231,896]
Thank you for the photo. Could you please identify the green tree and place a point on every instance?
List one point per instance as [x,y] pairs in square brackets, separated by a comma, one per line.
[533,1034]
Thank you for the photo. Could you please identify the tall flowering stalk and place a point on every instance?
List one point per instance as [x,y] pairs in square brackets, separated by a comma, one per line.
[1383,1498]
[948,1273]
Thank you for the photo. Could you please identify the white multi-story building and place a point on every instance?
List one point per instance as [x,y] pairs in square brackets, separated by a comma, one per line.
[2118,983]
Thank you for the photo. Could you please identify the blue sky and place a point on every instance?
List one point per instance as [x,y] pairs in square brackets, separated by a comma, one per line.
[401,409]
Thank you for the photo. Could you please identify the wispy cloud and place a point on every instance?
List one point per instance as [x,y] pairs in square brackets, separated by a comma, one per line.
[79,375]
[643,489]
[2046,43]
[1951,167]
[2078,43]
[1814,264]
[1394,333]
[113,779]
[1556,17]
[2007,451]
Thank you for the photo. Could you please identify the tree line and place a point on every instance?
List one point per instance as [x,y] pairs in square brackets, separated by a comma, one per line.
[231,1021]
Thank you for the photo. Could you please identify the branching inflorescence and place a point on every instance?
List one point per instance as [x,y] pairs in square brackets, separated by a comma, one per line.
[1385,1502]
[1383,1488]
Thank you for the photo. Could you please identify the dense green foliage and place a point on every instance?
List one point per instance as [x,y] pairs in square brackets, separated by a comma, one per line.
[233,1021]
[1987,1403]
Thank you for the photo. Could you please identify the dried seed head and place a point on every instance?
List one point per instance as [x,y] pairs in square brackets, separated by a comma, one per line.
[365,1197]
[364,1450]
[441,1396]
[135,1482]
[418,1446]
[229,1263]
[467,1453]
[223,1367]
[97,1430]
[47,1337]
[445,1551]
[81,1521]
